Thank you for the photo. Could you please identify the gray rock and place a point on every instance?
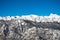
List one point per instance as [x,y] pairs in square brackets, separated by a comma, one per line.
[29,30]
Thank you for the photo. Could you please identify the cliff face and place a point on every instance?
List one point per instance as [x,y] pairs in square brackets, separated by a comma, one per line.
[20,29]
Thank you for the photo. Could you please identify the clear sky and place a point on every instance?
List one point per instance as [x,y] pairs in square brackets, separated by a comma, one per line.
[26,7]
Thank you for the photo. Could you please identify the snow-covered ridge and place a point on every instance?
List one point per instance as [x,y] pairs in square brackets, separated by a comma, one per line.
[50,18]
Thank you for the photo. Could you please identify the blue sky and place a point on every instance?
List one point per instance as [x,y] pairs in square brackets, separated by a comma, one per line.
[26,7]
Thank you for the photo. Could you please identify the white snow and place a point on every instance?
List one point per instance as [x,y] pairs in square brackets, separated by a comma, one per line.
[51,18]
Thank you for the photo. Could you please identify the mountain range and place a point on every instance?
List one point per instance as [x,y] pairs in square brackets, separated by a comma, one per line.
[30,27]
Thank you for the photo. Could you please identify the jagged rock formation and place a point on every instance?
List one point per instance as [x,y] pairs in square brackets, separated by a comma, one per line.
[21,29]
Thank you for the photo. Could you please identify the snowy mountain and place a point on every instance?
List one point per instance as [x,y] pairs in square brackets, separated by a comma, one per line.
[30,27]
[50,18]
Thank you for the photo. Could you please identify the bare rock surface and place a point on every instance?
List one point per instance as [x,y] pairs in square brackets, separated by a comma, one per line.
[29,30]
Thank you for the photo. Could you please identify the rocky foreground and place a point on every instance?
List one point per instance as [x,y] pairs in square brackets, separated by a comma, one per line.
[29,30]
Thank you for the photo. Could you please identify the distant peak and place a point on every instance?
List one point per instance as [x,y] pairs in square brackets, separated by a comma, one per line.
[51,18]
[53,14]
